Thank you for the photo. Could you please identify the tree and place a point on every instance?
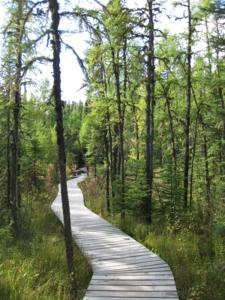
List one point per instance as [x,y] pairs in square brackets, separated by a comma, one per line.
[150,103]
[56,45]
[188,112]
[116,17]
[18,60]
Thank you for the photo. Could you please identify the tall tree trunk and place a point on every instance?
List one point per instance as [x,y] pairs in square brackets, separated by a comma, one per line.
[207,178]
[174,153]
[112,176]
[116,164]
[150,102]
[137,139]
[222,148]
[8,158]
[125,79]
[174,181]
[14,178]
[220,88]
[192,162]
[107,171]
[193,151]
[120,128]
[54,8]
[136,128]
[209,54]
[188,112]
[106,136]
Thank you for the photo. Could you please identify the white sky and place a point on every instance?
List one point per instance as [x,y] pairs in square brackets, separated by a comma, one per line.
[72,77]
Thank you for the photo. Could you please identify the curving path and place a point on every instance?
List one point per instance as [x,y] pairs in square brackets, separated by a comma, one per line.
[122,267]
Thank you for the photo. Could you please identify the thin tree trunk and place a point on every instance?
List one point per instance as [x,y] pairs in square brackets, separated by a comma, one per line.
[121,139]
[95,169]
[209,55]
[174,154]
[8,158]
[14,185]
[19,200]
[106,137]
[137,138]
[125,79]
[174,183]
[207,178]
[220,89]
[112,177]
[220,92]
[188,112]
[150,101]
[54,8]
[107,173]
[116,169]
[192,163]
[14,163]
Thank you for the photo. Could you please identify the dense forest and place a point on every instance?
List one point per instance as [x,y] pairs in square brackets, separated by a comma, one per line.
[151,134]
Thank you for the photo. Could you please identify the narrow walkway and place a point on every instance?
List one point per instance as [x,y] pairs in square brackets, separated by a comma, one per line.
[122,267]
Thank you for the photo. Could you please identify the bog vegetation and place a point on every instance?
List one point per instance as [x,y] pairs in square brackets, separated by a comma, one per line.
[151,133]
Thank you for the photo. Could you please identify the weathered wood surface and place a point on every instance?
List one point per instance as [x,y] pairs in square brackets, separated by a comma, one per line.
[122,267]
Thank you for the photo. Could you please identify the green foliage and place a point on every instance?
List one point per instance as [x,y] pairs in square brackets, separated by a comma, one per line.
[135,187]
[91,138]
[38,148]
[73,118]
[93,195]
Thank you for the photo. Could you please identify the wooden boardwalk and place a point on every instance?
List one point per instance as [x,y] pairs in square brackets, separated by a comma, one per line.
[122,267]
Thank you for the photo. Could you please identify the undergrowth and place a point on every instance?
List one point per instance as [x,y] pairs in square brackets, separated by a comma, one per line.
[196,257]
[33,266]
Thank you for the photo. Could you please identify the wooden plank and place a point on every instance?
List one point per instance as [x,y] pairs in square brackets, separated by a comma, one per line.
[125,298]
[111,256]
[136,276]
[151,282]
[130,288]
[108,239]
[134,270]
[108,243]
[139,294]
[122,267]
[125,268]
[143,261]
[96,255]
[126,255]
[124,250]
[116,245]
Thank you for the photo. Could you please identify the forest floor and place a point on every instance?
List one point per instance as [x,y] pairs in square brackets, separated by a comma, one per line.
[197,259]
[33,266]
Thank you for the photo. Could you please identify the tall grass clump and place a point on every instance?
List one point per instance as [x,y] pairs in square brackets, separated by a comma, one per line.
[33,266]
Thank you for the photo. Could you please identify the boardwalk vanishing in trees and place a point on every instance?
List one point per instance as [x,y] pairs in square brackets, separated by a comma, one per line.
[122,267]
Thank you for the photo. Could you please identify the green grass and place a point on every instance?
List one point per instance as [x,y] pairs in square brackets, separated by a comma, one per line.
[195,255]
[33,266]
